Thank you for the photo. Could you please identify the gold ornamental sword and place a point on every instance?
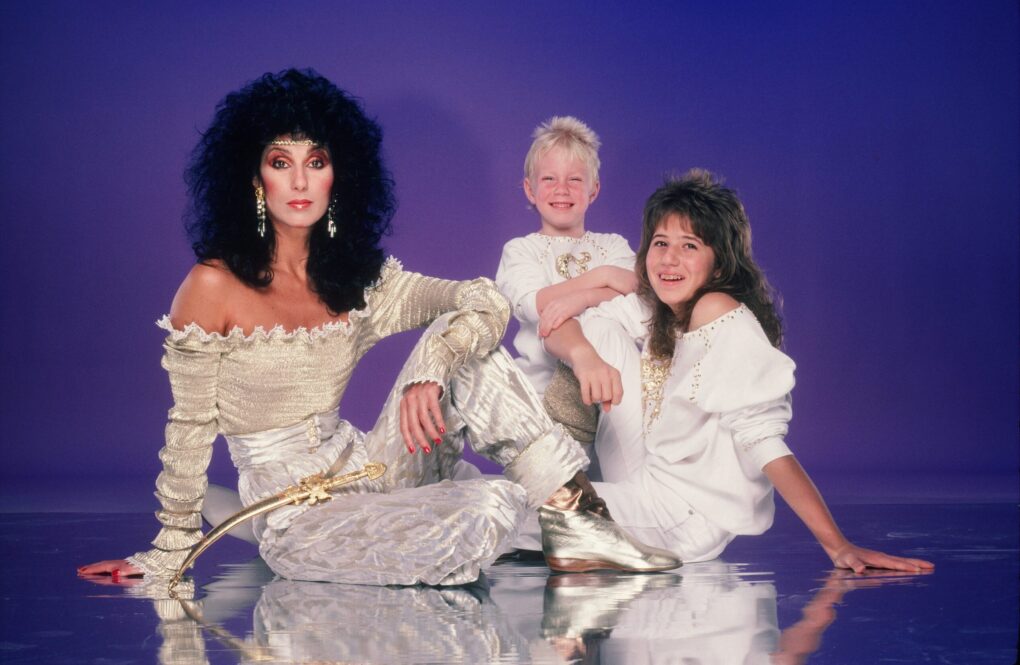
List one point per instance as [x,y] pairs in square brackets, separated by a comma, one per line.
[311,490]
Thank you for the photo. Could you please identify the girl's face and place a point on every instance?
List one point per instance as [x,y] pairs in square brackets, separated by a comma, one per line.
[678,262]
[298,179]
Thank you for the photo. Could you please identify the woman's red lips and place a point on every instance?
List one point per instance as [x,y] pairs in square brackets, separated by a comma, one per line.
[300,204]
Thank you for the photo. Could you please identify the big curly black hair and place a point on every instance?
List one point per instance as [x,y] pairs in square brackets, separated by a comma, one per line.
[222,223]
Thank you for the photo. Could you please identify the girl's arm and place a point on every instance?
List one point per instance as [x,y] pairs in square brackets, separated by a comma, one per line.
[796,488]
[600,381]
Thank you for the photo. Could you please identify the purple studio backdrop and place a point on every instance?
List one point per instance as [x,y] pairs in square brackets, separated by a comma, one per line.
[875,146]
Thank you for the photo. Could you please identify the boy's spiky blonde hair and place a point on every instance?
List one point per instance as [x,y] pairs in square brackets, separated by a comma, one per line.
[569,133]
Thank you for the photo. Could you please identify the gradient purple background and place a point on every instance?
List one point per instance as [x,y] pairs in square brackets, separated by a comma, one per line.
[875,146]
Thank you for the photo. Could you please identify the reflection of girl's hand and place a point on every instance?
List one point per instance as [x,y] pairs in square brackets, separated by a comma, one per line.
[802,639]
[421,419]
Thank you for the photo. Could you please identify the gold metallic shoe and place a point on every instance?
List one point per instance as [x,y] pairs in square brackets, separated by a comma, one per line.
[578,535]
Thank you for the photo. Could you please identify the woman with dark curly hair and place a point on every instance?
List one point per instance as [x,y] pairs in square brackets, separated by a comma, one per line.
[290,199]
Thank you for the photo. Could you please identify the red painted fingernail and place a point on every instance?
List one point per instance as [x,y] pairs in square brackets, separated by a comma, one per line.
[442,430]
[427,450]
[437,441]
[115,574]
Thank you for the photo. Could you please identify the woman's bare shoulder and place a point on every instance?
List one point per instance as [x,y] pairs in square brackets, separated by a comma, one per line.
[203,296]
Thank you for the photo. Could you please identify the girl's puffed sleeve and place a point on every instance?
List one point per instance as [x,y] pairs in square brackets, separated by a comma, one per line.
[192,359]
[404,300]
[748,381]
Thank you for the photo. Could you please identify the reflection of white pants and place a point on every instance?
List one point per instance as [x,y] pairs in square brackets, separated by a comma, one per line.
[620,449]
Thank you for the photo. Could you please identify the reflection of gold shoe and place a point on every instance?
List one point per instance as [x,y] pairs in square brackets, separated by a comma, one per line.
[578,535]
[585,605]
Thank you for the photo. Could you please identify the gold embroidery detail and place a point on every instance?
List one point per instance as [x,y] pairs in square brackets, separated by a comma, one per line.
[563,262]
[654,372]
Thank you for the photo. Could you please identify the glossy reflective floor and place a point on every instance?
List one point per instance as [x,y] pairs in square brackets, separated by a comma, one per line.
[771,599]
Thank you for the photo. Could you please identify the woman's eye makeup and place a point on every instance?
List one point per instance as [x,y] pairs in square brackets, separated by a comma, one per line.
[318,161]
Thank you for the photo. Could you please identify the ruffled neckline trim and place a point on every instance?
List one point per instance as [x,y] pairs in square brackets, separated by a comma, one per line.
[278,332]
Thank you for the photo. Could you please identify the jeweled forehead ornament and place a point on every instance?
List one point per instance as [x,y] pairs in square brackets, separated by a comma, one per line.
[308,142]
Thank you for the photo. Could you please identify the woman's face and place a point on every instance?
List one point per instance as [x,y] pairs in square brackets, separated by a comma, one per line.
[678,262]
[298,179]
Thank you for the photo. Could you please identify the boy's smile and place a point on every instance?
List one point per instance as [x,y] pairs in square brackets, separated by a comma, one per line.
[561,189]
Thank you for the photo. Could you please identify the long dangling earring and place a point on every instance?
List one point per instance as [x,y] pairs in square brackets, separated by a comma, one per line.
[260,210]
[331,219]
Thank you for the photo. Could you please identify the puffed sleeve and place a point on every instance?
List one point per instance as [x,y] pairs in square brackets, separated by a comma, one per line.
[520,278]
[192,360]
[748,381]
[405,300]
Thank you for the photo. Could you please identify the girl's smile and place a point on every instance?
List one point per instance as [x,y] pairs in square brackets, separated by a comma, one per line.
[678,262]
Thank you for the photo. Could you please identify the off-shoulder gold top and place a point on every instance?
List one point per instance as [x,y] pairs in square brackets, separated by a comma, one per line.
[240,384]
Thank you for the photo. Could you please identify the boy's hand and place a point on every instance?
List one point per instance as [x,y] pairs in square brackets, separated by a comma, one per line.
[561,309]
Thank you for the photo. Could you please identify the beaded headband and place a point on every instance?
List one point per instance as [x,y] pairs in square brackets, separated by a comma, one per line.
[293,142]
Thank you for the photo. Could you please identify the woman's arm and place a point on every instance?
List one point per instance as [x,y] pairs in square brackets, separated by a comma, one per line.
[193,367]
[796,488]
[478,315]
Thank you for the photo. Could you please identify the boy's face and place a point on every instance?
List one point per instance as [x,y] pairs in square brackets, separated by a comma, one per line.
[561,188]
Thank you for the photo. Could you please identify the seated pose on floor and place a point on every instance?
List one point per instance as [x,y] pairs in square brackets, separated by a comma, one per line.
[695,447]
[291,289]
[562,269]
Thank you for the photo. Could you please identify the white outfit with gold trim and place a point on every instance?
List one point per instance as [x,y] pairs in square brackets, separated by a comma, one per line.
[535,261]
[685,449]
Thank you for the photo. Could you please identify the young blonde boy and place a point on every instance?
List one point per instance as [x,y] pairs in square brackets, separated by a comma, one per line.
[561,270]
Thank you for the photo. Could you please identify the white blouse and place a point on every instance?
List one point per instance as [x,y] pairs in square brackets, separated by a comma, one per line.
[713,418]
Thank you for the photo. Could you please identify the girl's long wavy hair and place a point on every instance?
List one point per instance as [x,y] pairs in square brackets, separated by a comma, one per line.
[222,222]
[714,214]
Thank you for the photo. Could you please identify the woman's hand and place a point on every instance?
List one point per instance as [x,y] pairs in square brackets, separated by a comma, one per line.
[858,559]
[113,567]
[421,419]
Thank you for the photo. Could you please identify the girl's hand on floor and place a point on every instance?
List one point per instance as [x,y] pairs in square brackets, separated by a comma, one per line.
[859,558]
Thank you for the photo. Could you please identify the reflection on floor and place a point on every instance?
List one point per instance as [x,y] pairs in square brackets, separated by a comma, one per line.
[771,599]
